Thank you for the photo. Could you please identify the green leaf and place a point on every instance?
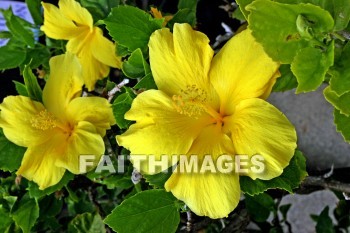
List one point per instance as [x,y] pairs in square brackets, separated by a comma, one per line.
[21,88]
[342,123]
[40,55]
[131,27]
[341,14]
[35,192]
[339,102]
[87,223]
[324,222]
[310,66]
[16,27]
[183,16]
[148,211]
[287,81]
[146,82]
[99,9]
[158,180]
[136,66]
[340,81]
[237,14]
[189,4]
[279,33]
[11,57]
[284,210]
[10,154]
[260,206]
[290,179]
[121,105]
[31,82]
[34,7]
[26,213]
[242,4]
[5,219]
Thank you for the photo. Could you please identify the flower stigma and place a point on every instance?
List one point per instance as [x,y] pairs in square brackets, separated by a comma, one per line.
[193,102]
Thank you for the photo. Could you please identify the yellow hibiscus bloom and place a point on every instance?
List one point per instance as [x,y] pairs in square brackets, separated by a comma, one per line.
[74,23]
[61,128]
[209,105]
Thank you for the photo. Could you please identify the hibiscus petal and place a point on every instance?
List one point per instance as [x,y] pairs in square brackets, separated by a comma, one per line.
[96,110]
[65,83]
[83,141]
[19,112]
[38,163]
[159,128]
[258,128]
[57,25]
[212,194]
[241,70]
[180,59]
[75,12]
[106,50]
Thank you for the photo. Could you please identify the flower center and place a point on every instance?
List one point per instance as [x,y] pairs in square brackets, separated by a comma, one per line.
[193,102]
[44,120]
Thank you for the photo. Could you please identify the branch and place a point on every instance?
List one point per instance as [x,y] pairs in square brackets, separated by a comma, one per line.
[313,181]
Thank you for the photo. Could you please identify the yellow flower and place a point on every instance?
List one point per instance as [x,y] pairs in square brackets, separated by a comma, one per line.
[74,23]
[209,105]
[61,129]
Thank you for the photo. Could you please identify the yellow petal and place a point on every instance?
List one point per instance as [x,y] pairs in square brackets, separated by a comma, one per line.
[258,128]
[75,12]
[212,193]
[38,163]
[17,119]
[64,84]
[85,140]
[159,128]
[58,26]
[95,110]
[241,70]
[180,59]
[106,50]
[269,85]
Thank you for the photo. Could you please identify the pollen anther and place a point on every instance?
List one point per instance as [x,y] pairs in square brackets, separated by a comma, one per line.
[44,120]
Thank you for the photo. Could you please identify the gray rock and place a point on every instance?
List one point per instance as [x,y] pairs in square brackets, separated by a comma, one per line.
[312,116]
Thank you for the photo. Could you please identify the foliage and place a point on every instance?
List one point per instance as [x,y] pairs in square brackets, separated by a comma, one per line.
[309,38]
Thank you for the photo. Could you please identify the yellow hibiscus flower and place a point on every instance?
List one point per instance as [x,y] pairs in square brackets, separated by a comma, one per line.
[61,128]
[213,106]
[74,23]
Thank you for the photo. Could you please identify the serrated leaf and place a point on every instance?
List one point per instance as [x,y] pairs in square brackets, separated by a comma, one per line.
[87,223]
[31,82]
[290,179]
[15,25]
[35,192]
[34,7]
[340,81]
[21,88]
[136,66]
[10,154]
[339,102]
[260,206]
[158,180]
[278,32]
[324,222]
[310,66]
[26,213]
[287,81]
[342,123]
[11,57]
[148,211]
[121,105]
[131,27]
